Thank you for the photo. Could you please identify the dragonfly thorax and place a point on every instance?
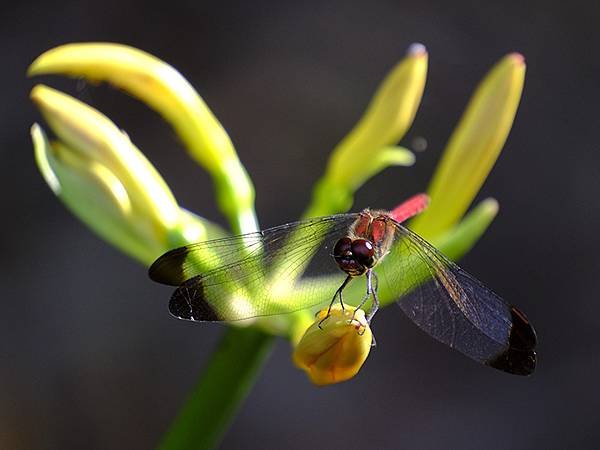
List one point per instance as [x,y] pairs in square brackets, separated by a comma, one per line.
[354,257]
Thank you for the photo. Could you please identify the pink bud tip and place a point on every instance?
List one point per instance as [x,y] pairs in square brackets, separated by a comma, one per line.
[416,49]
[517,58]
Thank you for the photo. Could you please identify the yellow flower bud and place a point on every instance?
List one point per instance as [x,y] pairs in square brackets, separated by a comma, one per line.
[370,146]
[94,137]
[94,194]
[334,349]
[473,147]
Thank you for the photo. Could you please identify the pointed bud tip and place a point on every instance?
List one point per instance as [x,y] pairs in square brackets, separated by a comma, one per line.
[416,49]
[491,205]
[38,93]
[32,69]
[517,58]
[34,94]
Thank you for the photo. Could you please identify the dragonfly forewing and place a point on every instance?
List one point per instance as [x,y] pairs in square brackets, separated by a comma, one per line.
[266,279]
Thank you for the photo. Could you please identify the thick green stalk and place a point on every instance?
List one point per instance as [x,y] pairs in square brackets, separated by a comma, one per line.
[224,384]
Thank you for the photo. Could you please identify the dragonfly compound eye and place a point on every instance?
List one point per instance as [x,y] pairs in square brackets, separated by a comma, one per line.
[342,252]
[363,252]
[343,247]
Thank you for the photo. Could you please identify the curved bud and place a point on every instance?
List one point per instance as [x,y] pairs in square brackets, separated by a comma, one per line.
[106,181]
[164,89]
[473,147]
[369,147]
[334,349]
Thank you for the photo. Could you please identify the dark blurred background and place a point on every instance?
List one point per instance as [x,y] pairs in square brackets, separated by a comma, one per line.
[90,356]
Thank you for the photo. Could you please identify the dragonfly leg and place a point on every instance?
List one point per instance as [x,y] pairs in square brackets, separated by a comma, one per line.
[362,302]
[373,341]
[375,305]
[338,292]
[371,290]
[376,281]
[369,275]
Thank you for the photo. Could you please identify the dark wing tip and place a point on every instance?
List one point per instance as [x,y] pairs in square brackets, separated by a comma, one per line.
[522,335]
[520,357]
[517,362]
[168,268]
[187,302]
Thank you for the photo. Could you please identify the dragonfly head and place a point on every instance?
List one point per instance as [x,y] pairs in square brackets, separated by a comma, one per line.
[354,257]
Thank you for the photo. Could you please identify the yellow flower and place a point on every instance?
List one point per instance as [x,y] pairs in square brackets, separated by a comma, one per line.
[333,349]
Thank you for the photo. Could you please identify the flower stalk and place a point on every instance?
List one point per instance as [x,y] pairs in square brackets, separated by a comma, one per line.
[224,384]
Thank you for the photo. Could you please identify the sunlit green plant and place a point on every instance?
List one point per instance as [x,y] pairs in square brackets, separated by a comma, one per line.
[95,169]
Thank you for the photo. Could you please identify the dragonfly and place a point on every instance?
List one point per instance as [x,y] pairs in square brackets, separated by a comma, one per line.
[305,264]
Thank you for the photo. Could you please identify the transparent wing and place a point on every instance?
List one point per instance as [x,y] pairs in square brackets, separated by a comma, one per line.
[455,308]
[256,274]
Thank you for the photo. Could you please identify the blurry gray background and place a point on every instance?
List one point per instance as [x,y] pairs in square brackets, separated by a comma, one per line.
[90,357]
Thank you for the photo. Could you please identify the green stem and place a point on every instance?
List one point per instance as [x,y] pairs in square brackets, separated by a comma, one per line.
[221,390]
